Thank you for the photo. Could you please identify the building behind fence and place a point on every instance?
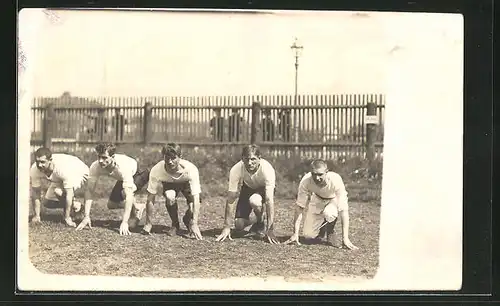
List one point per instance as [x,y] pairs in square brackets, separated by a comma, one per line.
[317,125]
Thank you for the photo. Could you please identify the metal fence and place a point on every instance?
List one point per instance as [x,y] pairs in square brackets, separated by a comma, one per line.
[329,125]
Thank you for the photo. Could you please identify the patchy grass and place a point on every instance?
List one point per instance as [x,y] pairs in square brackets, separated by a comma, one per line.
[55,248]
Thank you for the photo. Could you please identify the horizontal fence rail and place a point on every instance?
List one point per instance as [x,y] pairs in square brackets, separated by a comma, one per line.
[324,125]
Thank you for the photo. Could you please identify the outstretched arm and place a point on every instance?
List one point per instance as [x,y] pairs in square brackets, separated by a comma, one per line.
[150,209]
[36,192]
[36,199]
[88,197]
[230,206]
[228,217]
[196,190]
[69,203]
[344,217]
[270,216]
[129,202]
[195,208]
[343,207]
[234,178]
[302,199]
[297,220]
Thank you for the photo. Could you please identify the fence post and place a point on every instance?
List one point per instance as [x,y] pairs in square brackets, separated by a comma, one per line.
[148,123]
[101,124]
[48,125]
[255,128]
[371,130]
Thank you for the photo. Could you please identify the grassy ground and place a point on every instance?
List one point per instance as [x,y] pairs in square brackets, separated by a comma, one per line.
[57,249]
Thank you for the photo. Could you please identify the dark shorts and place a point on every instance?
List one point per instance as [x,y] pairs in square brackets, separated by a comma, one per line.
[141,178]
[184,188]
[243,208]
[53,204]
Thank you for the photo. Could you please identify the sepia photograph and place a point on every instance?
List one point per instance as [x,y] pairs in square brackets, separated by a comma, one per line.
[216,147]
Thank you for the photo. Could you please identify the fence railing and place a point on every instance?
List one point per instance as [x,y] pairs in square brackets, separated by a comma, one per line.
[351,123]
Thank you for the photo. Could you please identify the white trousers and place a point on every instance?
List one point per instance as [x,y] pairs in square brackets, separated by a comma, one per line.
[318,210]
[78,188]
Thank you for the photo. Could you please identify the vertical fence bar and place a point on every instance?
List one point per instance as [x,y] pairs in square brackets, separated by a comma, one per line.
[148,120]
[370,131]
[255,129]
[48,125]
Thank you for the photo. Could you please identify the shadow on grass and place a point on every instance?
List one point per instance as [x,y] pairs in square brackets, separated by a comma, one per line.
[52,218]
[213,232]
[112,225]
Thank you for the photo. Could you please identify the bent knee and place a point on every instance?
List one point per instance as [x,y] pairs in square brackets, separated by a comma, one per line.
[59,192]
[330,213]
[240,223]
[170,196]
[255,200]
[310,233]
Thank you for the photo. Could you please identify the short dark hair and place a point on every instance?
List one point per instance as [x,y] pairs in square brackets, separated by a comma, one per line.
[102,148]
[171,149]
[43,152]
[251,149]
[318,163]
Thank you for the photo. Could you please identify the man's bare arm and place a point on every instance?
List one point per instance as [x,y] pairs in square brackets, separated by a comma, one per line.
[69,202]
[150,208]
[270,209]
[36,199]
[230,207]
[196,208]
[297,219]
[344,218]
[129,202]
[89,196]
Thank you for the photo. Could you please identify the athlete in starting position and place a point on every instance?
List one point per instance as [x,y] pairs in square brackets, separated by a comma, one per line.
[129,180]
[328,200]
[257,178]
[67,175]
[173,176]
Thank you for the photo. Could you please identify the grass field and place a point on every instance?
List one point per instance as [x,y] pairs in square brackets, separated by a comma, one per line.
[54,248]
[57,249]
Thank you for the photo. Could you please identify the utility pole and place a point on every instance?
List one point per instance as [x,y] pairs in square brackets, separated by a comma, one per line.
[297,49]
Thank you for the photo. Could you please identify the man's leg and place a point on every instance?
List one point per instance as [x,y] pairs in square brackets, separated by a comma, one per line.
[243,209]
[172,209]
[135,213]
[255,202]
[141,179]
[117,201]
[186,192]
[330,213]
[55,197]
[116,197]
[313,219]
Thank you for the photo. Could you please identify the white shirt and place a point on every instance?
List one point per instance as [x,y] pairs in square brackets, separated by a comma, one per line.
[334,189]
[188,173]
[69,171]
[125,169]
[263,177]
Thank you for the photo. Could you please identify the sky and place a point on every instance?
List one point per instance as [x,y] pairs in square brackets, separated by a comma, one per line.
[104,53]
